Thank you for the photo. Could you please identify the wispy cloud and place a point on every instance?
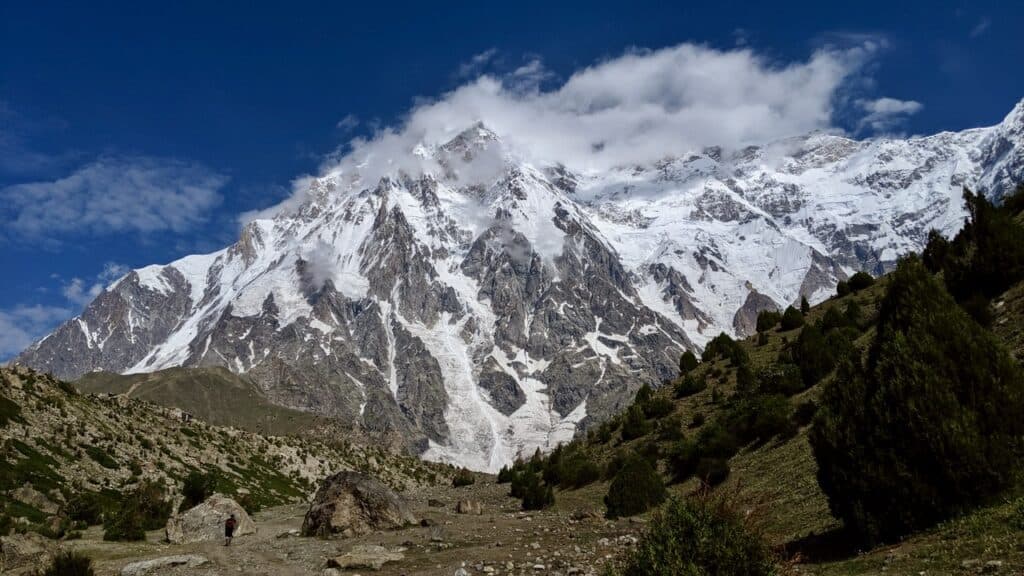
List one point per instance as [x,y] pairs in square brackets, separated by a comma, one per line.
[476,64]
[80,292]
[22,325]
[885,114]
[348,123]
[635,108]
[113,195]
[981,27]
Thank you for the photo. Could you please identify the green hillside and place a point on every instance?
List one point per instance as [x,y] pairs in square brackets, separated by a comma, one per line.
[213,395]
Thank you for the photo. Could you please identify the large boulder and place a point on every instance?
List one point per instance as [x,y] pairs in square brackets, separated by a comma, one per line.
[24,553]
[353,503]
[205,522]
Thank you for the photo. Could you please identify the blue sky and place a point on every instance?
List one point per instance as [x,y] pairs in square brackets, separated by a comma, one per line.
[132,135]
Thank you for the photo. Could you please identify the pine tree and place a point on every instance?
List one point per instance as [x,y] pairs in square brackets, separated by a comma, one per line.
[927,426]
[805,306]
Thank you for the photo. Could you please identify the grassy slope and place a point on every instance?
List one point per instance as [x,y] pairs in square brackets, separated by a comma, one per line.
[213,395]
[776,482]
[64,443]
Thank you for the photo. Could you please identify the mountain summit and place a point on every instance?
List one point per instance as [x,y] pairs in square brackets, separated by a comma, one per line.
[483,305]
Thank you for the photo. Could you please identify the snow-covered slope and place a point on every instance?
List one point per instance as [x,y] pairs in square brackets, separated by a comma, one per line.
[492,305]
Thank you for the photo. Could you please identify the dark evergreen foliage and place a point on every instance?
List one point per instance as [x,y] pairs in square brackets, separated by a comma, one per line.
[768,319]
[635,424]
[928,426]
[463,477]
[791,319]
[636,488]
[143,509]
[688,386]
[860,281]
[687,362]
[805,306]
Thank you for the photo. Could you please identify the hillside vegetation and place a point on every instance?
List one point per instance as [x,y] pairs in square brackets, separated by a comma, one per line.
[904,388]
[68,459]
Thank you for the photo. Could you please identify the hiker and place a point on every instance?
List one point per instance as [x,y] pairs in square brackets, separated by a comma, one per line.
[229,529]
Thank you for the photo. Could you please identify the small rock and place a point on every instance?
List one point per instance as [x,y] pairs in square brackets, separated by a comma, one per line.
[435,503]
[469,507]
[366,556]
[992,566]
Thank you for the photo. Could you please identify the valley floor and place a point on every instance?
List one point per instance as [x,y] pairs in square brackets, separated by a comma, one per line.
[570,538]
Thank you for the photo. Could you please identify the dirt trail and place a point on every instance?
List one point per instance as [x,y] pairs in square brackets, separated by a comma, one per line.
[487,543]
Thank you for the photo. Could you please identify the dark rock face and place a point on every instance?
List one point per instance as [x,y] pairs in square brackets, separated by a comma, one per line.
[745,320]
[353,503]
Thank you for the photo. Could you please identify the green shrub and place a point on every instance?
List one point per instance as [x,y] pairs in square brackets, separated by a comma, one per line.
[760,418]
[697,420]
[722,346]
[768,319]
[1017,514]
[745,380]
[636,488]
[813,355]
[9,412]
[102,457]
[504,475]
[463,477]
[762,338]
[196,488]
[142,510]
[682,459]
[687,362]
[780,378]
[578,470]
[804,413]
[791,319]
[69,563]
[805,306]
[860,281]
[697,537]
[635,423]
[86,507]
[927,426]
[657,407]
[670,428]
[842,288]
[534,493]
[688,386]
[712,471]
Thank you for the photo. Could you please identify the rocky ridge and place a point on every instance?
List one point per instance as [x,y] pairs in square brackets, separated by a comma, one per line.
[481,314]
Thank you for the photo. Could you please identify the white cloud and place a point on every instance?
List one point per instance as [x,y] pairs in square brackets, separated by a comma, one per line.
[476,63]
[112,195]
[636,108]
[22,325]
[884,114]
[348,123]
[80,292]
[981,27]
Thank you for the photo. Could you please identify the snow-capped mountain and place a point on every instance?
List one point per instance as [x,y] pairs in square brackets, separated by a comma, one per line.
[492,305]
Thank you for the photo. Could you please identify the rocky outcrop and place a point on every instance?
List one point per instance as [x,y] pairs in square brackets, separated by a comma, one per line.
[353,503]
[366,556]
[157,566]
[205,522]
[745,320]
[24,553]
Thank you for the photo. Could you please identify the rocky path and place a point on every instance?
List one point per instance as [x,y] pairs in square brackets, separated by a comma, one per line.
[571,538]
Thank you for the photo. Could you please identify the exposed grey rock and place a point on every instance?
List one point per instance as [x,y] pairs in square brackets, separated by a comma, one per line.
[159,565]
[366,556]
[24,553]
[205,522]
[353,503]
[745,320]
